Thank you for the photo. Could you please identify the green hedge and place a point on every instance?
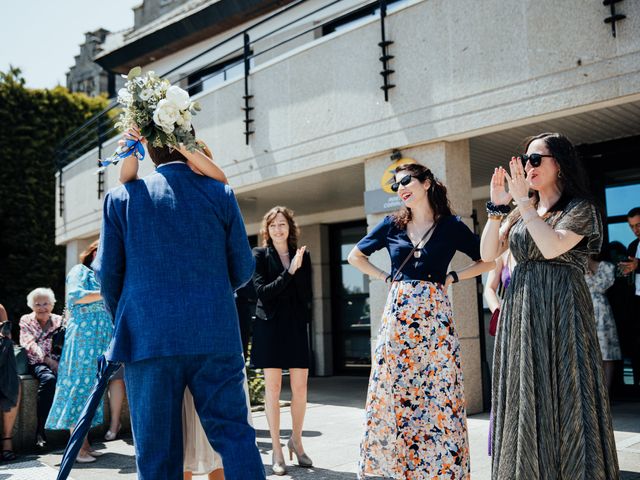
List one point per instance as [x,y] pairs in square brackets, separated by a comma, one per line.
[32,123]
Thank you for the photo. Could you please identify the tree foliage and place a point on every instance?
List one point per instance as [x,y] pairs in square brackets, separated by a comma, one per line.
[32,123]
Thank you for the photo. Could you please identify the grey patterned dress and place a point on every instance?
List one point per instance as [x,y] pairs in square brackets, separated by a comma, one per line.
[551,411]
[598,284]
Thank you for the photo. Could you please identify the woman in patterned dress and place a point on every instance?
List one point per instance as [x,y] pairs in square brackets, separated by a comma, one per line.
[415,413]
[600,277]
[550,405]
[88,334]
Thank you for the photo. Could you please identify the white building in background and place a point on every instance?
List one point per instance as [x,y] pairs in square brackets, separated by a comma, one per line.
[470,80]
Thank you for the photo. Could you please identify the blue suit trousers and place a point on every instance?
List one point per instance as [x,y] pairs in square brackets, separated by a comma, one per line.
[155,389]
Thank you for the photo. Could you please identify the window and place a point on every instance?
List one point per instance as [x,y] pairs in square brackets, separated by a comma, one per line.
[217,74]
[619,200]
[359,16]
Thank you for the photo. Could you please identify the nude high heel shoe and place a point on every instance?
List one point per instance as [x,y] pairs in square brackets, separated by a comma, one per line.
[277,466]
[303,458]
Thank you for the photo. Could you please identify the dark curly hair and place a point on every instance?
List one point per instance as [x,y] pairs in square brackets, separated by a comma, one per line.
[437,195]
[86,257]
[269,217]
[573,178]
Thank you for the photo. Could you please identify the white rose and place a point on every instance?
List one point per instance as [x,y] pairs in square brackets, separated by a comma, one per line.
[178,97]
[166,115]
[124,96]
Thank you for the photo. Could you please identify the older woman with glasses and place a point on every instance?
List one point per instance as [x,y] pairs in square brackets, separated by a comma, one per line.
[550,405]
[36,336]
[416,425]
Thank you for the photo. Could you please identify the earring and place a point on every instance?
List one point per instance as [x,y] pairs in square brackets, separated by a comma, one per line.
[559,174]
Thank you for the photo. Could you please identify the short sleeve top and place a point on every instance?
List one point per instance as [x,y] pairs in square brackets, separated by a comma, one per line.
[81,281]
[450,235]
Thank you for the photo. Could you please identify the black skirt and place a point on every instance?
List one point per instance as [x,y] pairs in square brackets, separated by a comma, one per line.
[281,342]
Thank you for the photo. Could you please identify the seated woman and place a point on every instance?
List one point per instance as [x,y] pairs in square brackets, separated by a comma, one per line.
[36,335]
[9,388]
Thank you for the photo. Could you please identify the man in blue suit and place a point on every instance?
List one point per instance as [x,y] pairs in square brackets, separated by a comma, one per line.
[173,249]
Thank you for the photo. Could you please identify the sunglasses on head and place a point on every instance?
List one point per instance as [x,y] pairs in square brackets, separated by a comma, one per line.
[406,180]
[535,159]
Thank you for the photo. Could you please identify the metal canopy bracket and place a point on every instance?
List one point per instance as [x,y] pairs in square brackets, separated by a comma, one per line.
[615,17]
[385,58]
[247,108]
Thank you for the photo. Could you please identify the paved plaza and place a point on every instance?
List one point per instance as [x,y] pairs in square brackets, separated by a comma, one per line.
[333,427]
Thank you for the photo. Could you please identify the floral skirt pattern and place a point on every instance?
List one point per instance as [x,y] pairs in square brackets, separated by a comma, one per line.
[416,427]
[87,337]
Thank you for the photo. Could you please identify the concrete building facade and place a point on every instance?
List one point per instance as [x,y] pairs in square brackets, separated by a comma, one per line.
[472,79]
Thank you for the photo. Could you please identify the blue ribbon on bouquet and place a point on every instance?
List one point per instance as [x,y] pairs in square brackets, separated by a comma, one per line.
[132,147]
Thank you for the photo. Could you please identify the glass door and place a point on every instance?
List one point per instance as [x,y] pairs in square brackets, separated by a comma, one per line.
[350,303]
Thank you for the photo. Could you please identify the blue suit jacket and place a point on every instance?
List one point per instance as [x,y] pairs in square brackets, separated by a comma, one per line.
[172,251]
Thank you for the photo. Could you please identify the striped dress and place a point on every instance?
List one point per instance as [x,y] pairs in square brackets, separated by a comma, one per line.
[551,410]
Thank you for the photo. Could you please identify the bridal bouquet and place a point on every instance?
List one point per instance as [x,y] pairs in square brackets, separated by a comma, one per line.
[161,111]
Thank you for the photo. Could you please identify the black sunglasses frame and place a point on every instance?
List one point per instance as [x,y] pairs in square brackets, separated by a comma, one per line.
[535,159]
[406,180]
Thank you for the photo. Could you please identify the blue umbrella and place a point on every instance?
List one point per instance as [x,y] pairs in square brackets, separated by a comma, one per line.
[106,370]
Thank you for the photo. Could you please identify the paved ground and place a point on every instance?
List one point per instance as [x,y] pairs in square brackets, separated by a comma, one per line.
[332,433]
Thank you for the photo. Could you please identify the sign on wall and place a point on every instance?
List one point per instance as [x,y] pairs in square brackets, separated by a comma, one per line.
[385,199]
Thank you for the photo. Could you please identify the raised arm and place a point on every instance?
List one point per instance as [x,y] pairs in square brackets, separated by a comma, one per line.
[202,162]
[129,167]
[493,242]
[552,242]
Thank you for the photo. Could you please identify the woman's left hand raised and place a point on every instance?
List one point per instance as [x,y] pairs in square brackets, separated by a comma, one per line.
[517,181]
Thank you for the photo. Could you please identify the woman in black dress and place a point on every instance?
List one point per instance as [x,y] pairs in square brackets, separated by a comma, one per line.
[280,340]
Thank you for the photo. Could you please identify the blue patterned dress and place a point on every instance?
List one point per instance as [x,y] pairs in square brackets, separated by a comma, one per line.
[88,335]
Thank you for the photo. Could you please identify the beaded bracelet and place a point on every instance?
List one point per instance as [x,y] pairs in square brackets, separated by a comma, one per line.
[494,211]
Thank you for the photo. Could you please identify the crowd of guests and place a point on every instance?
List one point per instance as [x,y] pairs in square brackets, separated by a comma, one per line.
[557,342]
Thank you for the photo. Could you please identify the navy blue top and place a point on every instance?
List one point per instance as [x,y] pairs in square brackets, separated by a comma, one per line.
[449,236]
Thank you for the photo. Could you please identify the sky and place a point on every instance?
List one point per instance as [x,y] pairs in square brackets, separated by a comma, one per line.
[41,37]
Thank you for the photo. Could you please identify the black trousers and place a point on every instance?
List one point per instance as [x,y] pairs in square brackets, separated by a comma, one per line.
[46,390]
[635,339]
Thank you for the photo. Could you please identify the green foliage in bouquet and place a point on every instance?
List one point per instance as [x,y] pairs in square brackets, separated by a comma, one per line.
[34,121]
[162,111]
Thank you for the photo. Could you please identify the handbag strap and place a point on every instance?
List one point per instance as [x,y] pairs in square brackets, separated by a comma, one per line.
[415,247]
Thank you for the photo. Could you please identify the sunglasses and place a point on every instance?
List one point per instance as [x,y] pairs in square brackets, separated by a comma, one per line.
[404,181]
[535,159]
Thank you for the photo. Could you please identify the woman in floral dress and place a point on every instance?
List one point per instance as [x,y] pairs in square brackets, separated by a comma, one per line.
[415,413]
[88,334]
[600,277]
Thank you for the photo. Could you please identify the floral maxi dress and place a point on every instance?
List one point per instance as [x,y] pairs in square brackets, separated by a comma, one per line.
[87,336]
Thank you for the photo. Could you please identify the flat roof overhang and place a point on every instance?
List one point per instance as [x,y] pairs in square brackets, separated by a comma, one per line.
[186,31]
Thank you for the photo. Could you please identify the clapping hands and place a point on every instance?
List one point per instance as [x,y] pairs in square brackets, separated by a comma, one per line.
[517,183]
[296,261]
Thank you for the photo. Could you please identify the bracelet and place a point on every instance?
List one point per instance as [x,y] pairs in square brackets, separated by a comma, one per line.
[387,279]
[497,210]
[493,216]
[454,275]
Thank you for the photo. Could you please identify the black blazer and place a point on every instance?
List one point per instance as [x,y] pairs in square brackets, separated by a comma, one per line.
[631,251]
[278,291]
